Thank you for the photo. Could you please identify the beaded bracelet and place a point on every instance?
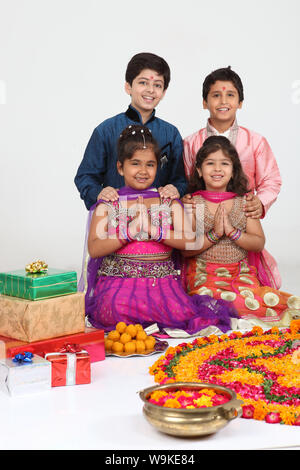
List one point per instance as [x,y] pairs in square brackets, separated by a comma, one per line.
[212,236]
[235,235]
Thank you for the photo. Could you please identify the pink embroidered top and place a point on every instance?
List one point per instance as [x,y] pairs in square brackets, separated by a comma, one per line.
[160,215]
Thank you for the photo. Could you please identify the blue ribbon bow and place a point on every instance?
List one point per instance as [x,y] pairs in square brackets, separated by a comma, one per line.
[23,357]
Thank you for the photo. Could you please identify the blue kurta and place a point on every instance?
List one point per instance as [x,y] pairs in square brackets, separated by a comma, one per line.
[98,168]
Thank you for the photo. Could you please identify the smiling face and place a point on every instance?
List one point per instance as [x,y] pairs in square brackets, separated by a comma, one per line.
[139,171]
[146,91]
[216,171]
[222,102]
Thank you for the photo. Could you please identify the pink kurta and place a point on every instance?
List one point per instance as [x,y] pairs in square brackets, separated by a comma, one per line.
[256,157]
[258,163]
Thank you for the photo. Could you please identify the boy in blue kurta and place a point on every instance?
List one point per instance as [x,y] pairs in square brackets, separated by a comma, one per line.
[147,79]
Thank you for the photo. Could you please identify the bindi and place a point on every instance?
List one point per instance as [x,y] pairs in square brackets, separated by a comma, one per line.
[223,88]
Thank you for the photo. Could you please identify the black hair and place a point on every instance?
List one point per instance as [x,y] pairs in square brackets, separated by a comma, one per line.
[225,75]
[136,137]
[238,183]
[146,60]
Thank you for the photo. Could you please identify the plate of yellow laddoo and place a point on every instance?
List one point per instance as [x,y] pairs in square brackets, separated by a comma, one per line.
[131,340]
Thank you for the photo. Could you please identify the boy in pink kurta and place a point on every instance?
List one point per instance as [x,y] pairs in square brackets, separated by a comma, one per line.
[223,96]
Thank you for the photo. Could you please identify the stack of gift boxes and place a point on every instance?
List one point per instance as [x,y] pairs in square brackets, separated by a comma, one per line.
[43,338]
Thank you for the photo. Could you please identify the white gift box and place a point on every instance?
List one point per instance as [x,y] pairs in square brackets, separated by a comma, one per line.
[24,378]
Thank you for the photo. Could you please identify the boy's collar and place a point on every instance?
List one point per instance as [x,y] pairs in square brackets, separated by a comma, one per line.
[233,131]
[135,116]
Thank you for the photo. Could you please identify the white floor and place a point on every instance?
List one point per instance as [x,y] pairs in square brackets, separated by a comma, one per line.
[107,414]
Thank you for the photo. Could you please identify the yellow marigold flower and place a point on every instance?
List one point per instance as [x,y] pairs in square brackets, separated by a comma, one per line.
[181,393]
[224,337]
[190,407]
[241,375]
[172,403]
[203,401]
[208,391]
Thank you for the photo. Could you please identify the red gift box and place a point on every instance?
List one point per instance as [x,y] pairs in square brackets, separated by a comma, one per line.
[92,340]
[69,366]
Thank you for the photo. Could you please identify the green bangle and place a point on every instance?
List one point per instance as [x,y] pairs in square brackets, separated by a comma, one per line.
[212,236]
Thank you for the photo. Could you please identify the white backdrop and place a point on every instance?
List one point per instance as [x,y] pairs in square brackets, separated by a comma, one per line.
[62,66]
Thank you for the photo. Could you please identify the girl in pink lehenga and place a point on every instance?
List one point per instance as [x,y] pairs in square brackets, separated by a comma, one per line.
[131,274]
[227,264]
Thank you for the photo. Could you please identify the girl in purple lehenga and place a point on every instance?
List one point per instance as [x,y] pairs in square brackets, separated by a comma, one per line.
[131,275]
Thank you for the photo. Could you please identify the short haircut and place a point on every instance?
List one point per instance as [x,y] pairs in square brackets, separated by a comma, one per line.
[146,60]
[224,75]
[136,137]
[238,182]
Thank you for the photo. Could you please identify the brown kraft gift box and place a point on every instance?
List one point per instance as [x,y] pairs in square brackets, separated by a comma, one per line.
[29,321]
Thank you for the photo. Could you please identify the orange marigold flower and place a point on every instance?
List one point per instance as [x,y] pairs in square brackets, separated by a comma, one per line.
[288,415]
[275,330]
[257,330]
[260,411]
[157,394]
[172,403]
[295,326]
[239,334]
[159,377]
[213,338]
[201,341]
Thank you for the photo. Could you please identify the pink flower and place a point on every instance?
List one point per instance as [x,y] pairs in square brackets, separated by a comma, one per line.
[248,411]
[219,399]
[273,418]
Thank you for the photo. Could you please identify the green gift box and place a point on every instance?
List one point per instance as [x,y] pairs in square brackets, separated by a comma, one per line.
[38,286]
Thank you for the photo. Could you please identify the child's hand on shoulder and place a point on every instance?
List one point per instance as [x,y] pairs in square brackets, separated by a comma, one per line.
[168,192]
[253,207]
[188,199]
[108,194]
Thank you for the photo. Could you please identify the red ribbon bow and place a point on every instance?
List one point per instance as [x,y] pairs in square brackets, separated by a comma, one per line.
[70,348]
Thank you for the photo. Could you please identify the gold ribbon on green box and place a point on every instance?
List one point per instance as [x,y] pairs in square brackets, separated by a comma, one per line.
[38,286]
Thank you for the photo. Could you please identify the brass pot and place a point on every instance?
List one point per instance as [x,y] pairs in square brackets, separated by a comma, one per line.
[190,422]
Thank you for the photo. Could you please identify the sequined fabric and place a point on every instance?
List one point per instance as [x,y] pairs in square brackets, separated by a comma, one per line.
[225,251]
[117,266]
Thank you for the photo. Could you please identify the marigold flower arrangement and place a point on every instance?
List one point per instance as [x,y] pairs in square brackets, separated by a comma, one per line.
[187,398]
[262,367]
